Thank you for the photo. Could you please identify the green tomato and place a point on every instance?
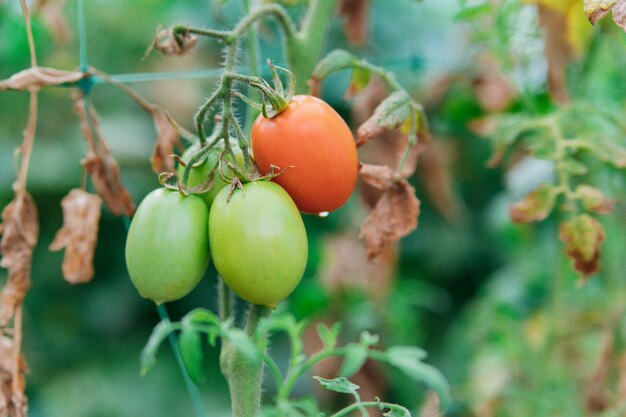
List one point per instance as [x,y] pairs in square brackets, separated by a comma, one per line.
[258,242]
[167,247]
[200,173]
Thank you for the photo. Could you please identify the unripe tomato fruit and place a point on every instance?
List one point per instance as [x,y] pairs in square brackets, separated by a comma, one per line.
[312,138]
[258,242]
[200,174]
[167,247]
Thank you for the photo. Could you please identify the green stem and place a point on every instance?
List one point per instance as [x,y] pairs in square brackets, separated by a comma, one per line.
[295,374]
[244,376]
[252,42]
[224,300]
[304,48]
[356,406]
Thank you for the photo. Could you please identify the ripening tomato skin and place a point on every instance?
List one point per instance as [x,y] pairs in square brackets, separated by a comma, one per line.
[258,242]
[167,247]
[314,140]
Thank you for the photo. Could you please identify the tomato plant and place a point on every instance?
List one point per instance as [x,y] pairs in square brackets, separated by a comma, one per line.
[258,241]
[167,248]
[317,145]
[207,170]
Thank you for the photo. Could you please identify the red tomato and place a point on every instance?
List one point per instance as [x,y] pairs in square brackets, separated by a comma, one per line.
[312,138]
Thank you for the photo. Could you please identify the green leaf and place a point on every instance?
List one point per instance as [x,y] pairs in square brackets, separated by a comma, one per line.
[360,79]
[397,411]
[355,357]
[328,335]
[390,114]
[609,151]
[340,384]
[573,167]
[241,342]
[408,359]
[367,339]
[148,354]
[336,60]
[472,12]
[201,316]
[190,345]
[536,206]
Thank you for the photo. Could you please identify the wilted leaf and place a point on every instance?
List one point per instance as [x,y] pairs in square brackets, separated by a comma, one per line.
[172,44]
[12,383]
[79,234]
[536,206]
[20,231]
[390,114]
[393,217]
[597,9]
[582,237]
[557,50]
[360,79]
[435,172]
[51,11]
[167,138]
[379,176]
[335,60]
[594,199]
[100,164]
[355,12]
[34,78]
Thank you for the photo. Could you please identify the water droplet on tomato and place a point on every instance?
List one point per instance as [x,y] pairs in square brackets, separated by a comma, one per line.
[323,214]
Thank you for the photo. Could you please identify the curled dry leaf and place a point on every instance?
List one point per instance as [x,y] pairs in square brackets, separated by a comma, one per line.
[167,139]
[390,114]
[597,9]
[173,44]
[536,206]
[34,78]
[583,236]
[379,176]
[355,12]
[100,164]
[81,214]
[393,217]
[435,172]
[20,231]
[51,11]
[12,403]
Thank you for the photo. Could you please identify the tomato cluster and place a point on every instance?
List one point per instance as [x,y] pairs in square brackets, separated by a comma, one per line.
[256,234]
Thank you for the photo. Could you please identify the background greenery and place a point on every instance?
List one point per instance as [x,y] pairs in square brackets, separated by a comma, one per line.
[496,305]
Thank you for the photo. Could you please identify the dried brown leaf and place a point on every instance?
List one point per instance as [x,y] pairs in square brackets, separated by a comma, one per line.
[393,217]
[100,164]
[597,9]
[12,401]
[390,114]
[494,91]
[557,50]
[583,235]
[167,138]
[171,44]
[356,14]
[536,206]
[435,173]
[79,234]
[20,231]
[379,176]
[34,78]
[51,11]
